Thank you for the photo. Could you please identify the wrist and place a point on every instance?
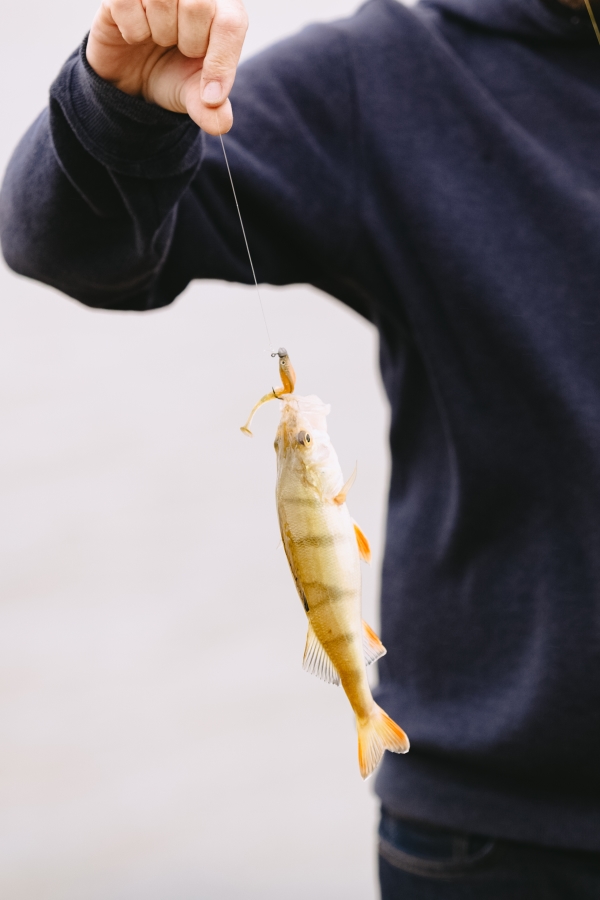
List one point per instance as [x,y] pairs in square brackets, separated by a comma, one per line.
[121,130]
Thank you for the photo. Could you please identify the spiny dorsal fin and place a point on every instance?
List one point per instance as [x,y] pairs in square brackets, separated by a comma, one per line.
[372,646]
[364,549]
[316,661]
[341,497]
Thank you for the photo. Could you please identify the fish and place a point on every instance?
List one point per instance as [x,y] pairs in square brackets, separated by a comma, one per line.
[324,546]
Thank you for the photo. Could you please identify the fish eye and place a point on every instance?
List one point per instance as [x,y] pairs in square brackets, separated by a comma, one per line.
[304,438]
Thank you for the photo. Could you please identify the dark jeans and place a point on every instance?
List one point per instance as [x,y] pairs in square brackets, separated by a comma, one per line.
[420,862]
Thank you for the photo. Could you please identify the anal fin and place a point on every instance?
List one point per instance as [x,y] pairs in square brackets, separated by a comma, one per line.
[372,646]
[316,660]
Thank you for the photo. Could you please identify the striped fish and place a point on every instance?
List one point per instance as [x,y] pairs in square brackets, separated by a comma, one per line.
[323,546]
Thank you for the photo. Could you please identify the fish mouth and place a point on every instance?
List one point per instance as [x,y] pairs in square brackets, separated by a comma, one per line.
[309,413]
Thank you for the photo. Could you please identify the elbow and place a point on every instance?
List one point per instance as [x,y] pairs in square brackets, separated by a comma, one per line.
[22,248]
[44,258]
[13,237]
[48,233]
[54,249]
[19,201]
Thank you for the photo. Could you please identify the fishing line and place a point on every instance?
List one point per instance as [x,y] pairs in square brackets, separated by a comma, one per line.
[588,6]
[237,205]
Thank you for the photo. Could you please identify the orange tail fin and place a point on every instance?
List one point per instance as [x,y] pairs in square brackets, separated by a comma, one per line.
[375,735]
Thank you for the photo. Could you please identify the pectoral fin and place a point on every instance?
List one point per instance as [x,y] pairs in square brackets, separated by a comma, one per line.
[316,661]
[341,497]
[364,548]
[372,646]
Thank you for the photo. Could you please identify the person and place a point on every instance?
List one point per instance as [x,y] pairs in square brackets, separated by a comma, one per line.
[436,168]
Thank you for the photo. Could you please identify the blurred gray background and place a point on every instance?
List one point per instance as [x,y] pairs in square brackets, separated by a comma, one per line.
[158,737]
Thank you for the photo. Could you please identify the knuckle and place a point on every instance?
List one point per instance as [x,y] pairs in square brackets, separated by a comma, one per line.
[199,8]
[121,8]
[243,20]
[243,14]
[221,72]
[162,7]
[132,38]
[231,21]
[132,31]
[129,17]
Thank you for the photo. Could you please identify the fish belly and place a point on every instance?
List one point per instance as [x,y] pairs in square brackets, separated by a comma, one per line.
[321,547]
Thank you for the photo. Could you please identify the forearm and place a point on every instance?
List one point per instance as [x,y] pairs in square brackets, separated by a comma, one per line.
[90,197]
[106,199]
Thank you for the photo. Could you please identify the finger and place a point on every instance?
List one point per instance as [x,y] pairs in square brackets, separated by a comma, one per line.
[130,19]
[212,120]
[162,18]
[194,20]
[227,35]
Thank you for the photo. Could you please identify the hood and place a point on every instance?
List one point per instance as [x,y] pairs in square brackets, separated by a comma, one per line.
[542,19]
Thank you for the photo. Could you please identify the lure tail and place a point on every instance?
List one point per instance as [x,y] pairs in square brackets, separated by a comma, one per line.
[375,735]
[288,383]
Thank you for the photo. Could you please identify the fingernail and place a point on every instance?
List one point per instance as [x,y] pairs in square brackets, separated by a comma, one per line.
[212,92]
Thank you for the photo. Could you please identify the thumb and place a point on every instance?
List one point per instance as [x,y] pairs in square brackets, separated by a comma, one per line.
[212,119]
[227,33]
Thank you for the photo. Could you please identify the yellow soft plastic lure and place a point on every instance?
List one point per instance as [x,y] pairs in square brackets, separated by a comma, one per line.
[323,546]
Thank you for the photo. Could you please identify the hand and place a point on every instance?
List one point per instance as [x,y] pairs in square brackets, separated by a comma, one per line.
[180,54]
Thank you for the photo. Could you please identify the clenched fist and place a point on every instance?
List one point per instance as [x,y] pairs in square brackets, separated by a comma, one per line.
[180,54]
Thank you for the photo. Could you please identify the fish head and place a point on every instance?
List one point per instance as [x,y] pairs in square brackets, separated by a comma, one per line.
[303,446]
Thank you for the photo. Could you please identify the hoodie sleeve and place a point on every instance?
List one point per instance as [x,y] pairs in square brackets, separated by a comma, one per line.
[120,204]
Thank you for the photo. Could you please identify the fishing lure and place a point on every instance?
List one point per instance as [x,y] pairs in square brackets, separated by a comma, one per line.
[323,546]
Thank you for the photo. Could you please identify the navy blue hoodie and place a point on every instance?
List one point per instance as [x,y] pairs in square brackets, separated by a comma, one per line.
[437,169]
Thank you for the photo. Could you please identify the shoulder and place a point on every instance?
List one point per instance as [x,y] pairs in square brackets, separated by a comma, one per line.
[317,65]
